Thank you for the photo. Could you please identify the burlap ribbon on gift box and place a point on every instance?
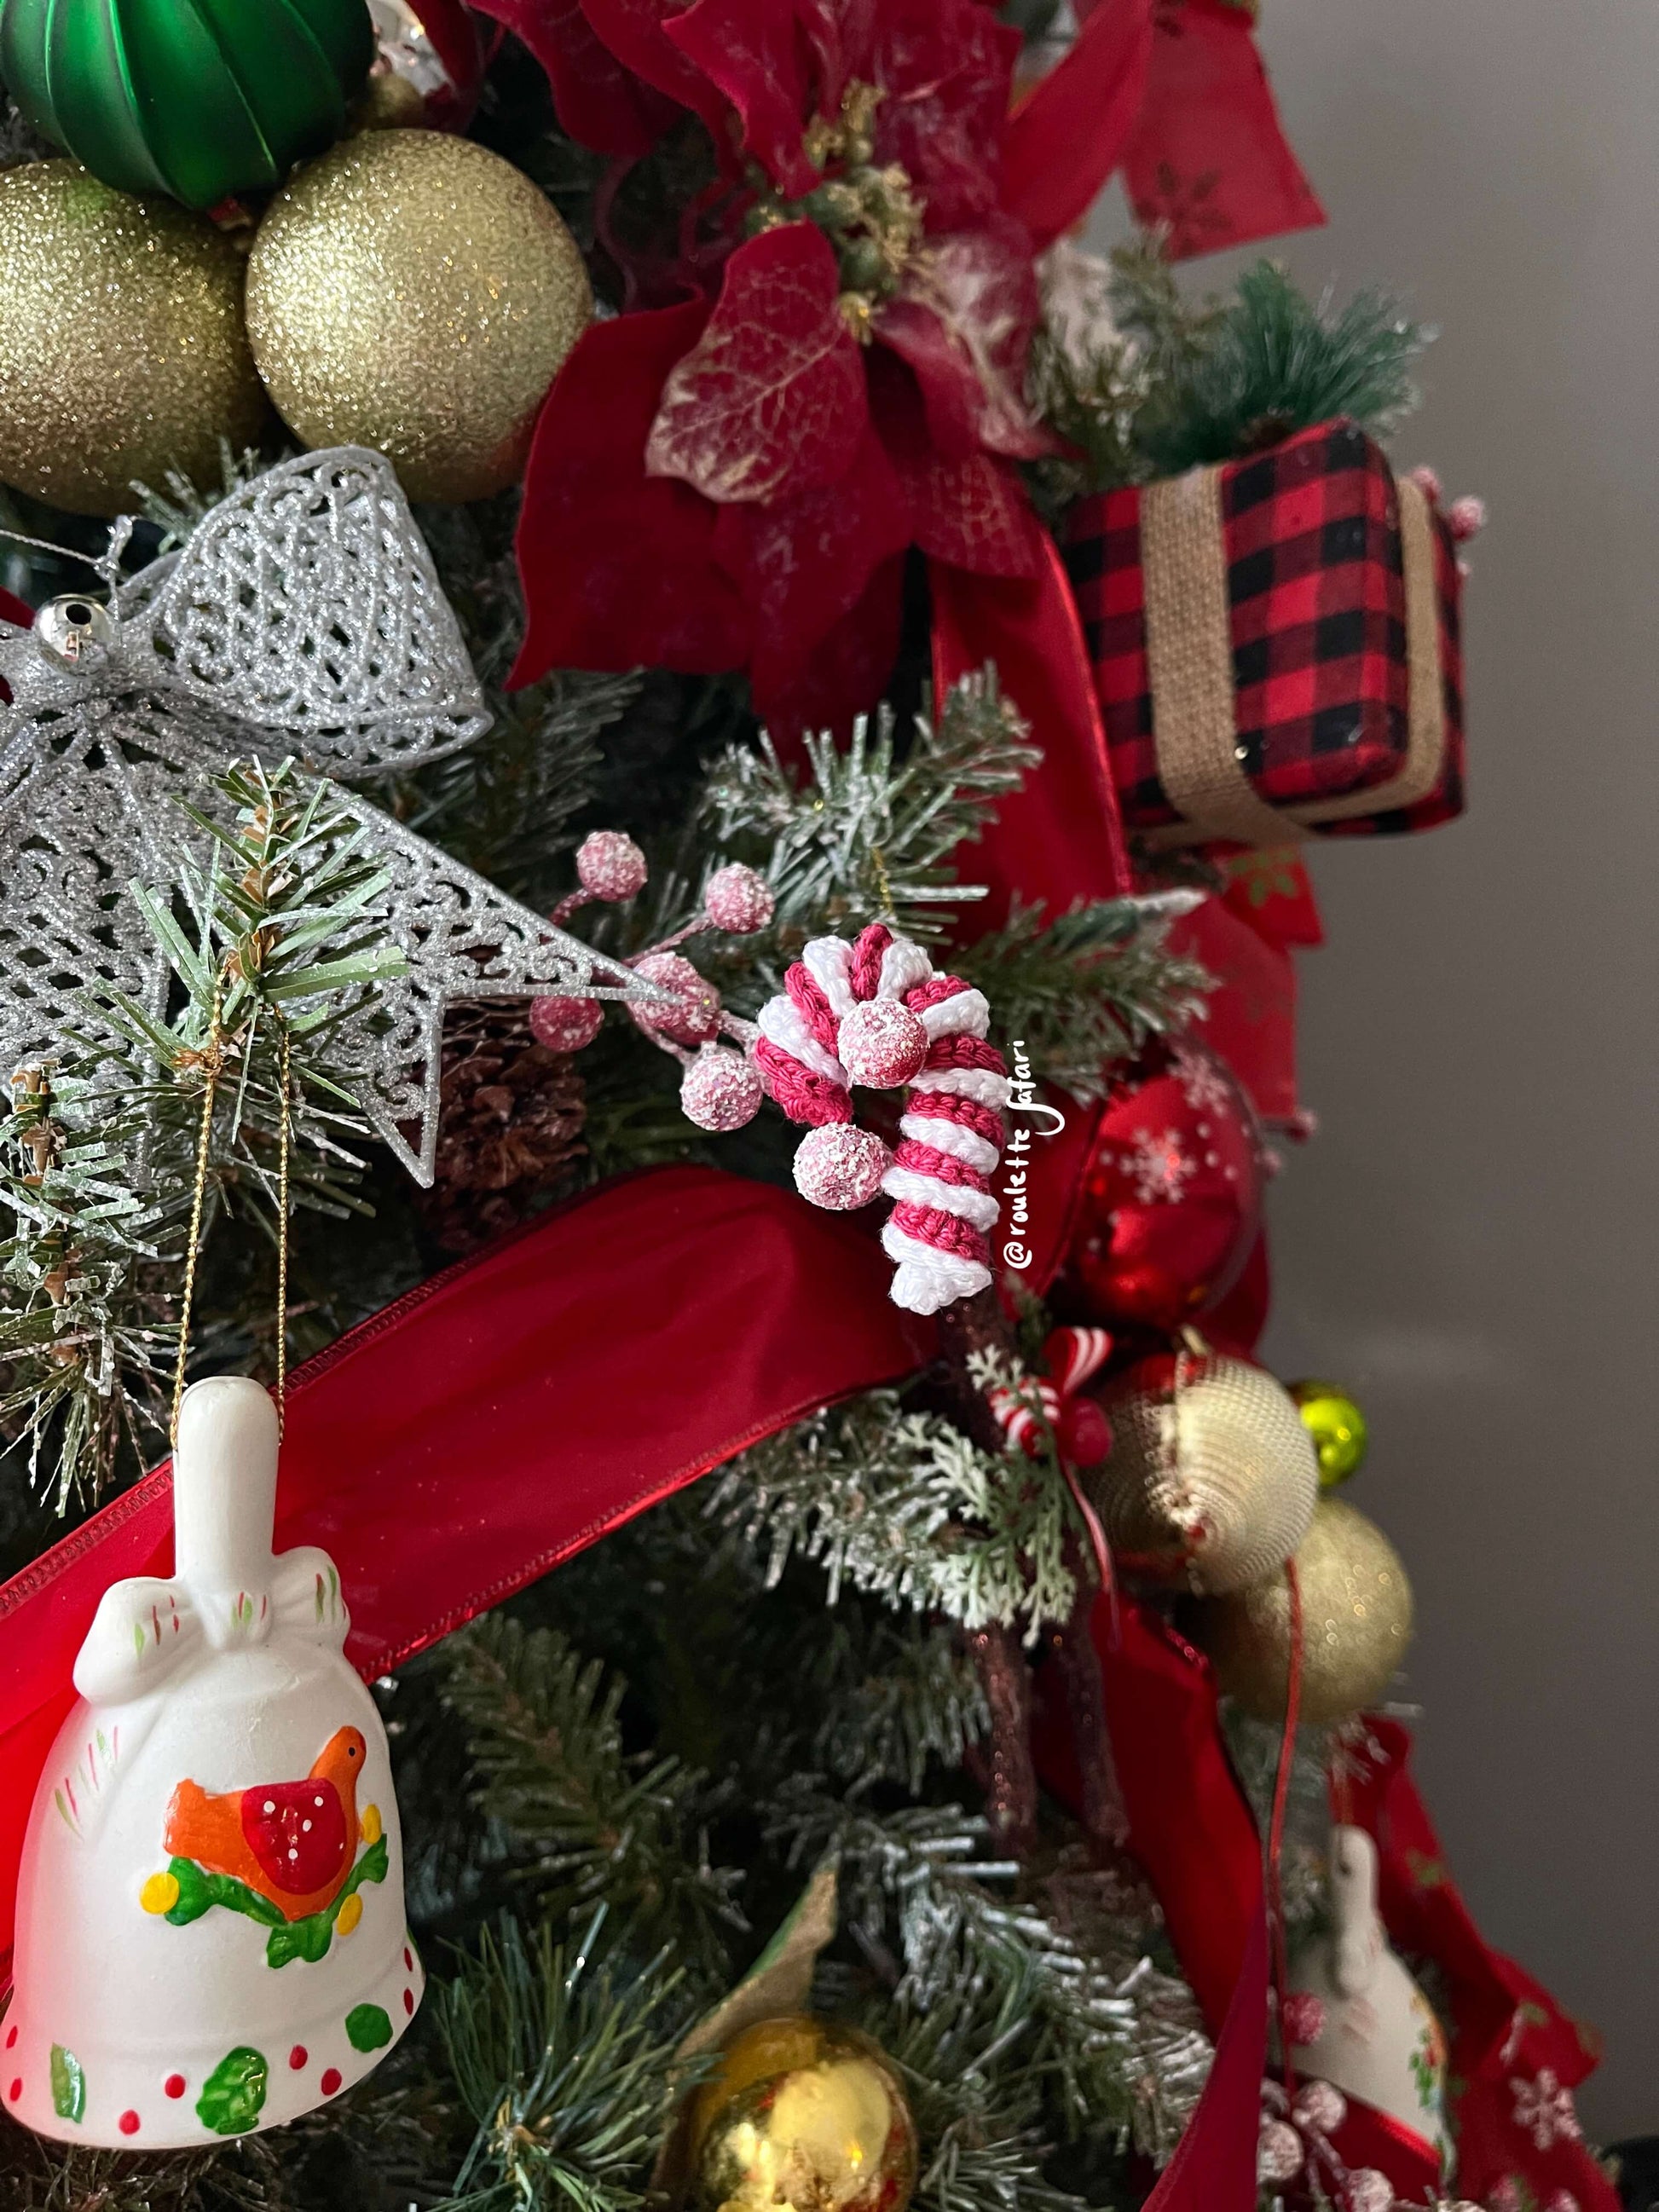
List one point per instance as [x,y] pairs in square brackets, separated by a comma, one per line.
[1189,655]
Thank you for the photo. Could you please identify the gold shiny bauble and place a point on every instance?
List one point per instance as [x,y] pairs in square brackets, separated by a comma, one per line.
[413,291]
[1212,1477]
[804,2114]
[122,353]
[1356,1623]
[1337,1426]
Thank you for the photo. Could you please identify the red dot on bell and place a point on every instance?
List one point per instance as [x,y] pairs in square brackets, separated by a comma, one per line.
[408,2001]
[174,2085]
[330,2082]
[408,1959]
[16,2091]
[11,2035]
[127,2124]
[298,2056]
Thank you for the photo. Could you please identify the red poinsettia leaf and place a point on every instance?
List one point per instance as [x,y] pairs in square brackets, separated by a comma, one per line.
[802,562]
[1068,134]
[599,102]
[970,511]
[945,70]
[847,674]
[1208,157]
[617,566]
[839,32]
[771,399]
[636,33]
[757,56]
[965,323]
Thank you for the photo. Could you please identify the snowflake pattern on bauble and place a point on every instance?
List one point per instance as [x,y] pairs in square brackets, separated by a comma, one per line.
[1544,2109]
[1158,1167]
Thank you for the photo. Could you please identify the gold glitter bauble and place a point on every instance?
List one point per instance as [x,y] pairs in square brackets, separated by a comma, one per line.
[806,2115]
[1356,1623]
[122,353]
[1212,1477]
[415,292]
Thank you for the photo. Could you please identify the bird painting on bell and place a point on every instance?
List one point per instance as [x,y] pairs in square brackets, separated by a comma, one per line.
[210,1927]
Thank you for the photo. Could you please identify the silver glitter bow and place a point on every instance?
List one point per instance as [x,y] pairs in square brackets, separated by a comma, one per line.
[304,609]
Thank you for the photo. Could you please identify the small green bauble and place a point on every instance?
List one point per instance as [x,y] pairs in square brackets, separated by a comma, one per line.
[1337,1426]
[197,98]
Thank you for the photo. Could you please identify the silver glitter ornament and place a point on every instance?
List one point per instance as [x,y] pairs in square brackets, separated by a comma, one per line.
[303,618]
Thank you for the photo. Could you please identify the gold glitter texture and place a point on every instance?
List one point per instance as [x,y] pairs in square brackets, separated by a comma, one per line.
[122,352]
[414,292]
[1356,1623]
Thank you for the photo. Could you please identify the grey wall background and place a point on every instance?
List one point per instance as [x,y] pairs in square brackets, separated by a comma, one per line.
[1471,1239]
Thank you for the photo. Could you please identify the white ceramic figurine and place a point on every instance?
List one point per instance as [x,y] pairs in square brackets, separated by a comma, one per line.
[211,1932]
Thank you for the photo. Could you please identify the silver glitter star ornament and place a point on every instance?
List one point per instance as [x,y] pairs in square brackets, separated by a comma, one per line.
[304,618]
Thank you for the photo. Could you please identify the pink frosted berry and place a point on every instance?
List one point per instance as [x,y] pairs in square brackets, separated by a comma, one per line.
[1303,2017]
[694,1016]
[881,1043]
[565,1024]
[1277,2152]
[1428,483]
[840,1166]
[1321,2105]
[1366,2190]
[736,898]
[721,1089]
[1466,518]
[609,865]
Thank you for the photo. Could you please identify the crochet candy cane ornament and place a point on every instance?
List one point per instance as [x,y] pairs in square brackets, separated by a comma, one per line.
[874,1013]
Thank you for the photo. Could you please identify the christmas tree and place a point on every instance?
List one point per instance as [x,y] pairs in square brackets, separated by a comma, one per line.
[593,587]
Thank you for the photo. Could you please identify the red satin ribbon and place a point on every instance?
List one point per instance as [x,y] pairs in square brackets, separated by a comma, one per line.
[501,1417]
[1192,1830]
[1060,838]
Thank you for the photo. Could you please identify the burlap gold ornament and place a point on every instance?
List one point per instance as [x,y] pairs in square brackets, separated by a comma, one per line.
[414,292]
[122,352]
[1212,1477]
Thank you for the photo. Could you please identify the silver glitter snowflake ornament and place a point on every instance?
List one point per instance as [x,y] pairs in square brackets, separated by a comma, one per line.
[304,618]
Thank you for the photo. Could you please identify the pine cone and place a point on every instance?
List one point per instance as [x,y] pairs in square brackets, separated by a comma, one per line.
[510,1121]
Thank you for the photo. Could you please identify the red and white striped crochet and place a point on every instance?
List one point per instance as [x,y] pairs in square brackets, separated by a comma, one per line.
[951,1127]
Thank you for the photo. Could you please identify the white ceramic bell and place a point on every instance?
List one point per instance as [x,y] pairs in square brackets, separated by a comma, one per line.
[1369,2028]
[210,1930]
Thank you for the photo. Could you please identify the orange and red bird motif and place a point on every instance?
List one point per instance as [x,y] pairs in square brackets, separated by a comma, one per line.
[292,1842]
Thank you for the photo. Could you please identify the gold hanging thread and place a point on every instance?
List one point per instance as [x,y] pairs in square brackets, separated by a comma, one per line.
[212,1058]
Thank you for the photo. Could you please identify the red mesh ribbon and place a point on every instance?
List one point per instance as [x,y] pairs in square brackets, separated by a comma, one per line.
[1208,155]
[501,1417]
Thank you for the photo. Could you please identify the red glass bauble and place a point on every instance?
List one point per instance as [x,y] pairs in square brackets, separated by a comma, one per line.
[1172,1195]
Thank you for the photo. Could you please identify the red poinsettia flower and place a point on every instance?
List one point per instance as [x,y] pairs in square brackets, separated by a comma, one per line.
[731,481]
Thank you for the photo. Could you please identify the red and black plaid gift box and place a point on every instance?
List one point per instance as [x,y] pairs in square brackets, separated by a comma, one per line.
[1275,647]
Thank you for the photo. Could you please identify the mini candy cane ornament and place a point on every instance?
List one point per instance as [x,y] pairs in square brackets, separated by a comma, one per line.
[822,1034]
